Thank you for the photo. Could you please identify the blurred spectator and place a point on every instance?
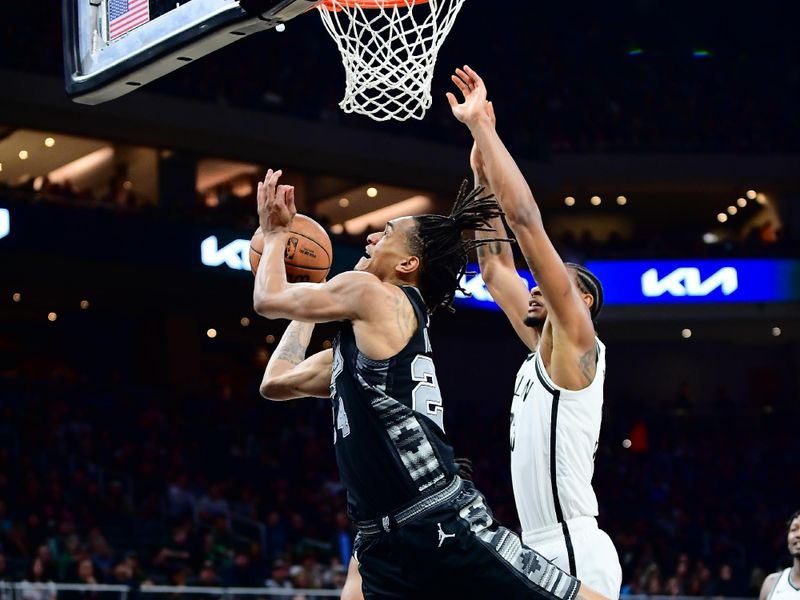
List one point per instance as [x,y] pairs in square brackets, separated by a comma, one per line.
[213,505]
[208,576]
[176,553]
[4,574]
[181,499]
[101,554]
[280,579]
[343,538]
[724,585]
[86,573]
[122,574]
[38,585]
[241,573]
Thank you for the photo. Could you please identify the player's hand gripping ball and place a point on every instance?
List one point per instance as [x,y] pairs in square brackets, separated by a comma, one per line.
[308,253]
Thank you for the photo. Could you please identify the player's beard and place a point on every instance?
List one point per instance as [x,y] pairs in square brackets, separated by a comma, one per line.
[534,322]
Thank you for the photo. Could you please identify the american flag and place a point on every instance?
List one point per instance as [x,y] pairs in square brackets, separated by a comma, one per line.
[124,15]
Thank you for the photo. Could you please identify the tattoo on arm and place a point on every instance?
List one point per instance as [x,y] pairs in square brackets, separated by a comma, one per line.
[588,365]
[293,344]
[405,319]
[495,248]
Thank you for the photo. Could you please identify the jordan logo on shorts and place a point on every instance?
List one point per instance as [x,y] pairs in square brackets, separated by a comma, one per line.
[443,536]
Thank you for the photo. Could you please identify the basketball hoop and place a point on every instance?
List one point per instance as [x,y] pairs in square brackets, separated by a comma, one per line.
[389,50]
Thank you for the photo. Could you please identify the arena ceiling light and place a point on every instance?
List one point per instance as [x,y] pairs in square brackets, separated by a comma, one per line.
[377,218]
[80,167]
[40,160]
[341,204]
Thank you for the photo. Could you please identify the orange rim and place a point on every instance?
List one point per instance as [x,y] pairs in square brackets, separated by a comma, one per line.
[335,5]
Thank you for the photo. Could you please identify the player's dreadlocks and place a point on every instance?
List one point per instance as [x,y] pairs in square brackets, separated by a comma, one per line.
[443,251]
[589,284]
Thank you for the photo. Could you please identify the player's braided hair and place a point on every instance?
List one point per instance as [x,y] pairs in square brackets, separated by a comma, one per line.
[589,284]
[442,250]
[791,519]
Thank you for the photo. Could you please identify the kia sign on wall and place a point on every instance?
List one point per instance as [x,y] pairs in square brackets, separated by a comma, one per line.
[5,223]
[234,255]
[674,282]
[698,281]
[625,282]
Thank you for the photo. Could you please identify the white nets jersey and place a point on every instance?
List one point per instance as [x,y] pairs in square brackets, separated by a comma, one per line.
[554,437]
[785,589]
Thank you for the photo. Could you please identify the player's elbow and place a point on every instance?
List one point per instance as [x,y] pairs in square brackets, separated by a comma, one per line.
[266,306]
[522,216]
[489,273]
[273,390]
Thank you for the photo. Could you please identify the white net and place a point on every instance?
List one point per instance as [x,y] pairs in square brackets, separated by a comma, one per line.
[389,50]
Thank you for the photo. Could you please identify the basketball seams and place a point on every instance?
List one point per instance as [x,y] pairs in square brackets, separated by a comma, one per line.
[310,268]
[316,243]
[305,248]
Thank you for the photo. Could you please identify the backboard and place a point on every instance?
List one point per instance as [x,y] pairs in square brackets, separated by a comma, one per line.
[112,47]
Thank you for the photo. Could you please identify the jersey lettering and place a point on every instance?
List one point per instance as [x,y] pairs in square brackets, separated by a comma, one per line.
[427,397]
[523,389]
[342,424]
[340,421]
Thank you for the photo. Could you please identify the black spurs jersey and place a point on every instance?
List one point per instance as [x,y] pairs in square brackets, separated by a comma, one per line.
[388,434]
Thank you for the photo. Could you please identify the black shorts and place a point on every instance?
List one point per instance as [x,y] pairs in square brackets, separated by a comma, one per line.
[457,550]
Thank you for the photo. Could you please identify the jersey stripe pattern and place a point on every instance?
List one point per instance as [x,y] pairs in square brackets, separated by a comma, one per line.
[554,436]
[390,445]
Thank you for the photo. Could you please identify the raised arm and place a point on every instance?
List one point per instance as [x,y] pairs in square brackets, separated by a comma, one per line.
[349,296]
[497,265]
[289,374]
[565,305]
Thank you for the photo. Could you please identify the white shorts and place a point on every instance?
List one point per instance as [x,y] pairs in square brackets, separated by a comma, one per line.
[595,557]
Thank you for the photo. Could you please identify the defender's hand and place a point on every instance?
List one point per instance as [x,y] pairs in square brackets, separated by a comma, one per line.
[276,207]
[474,109]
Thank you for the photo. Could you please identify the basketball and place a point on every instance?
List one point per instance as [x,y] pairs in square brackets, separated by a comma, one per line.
[308,251]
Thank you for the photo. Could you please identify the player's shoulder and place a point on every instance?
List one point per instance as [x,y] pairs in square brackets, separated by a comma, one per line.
[769,584]
[364,289]
[359,281]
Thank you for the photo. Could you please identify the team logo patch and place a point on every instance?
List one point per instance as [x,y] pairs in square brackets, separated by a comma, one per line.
[443,536]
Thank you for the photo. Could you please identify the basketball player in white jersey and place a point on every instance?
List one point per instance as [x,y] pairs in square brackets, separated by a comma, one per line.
[785,585]
[558,396]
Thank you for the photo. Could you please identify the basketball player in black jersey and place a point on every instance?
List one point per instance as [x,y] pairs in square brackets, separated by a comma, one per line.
[423,531]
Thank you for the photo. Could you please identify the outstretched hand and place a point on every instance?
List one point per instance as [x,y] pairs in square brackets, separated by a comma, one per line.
[276,207]
[475,107]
